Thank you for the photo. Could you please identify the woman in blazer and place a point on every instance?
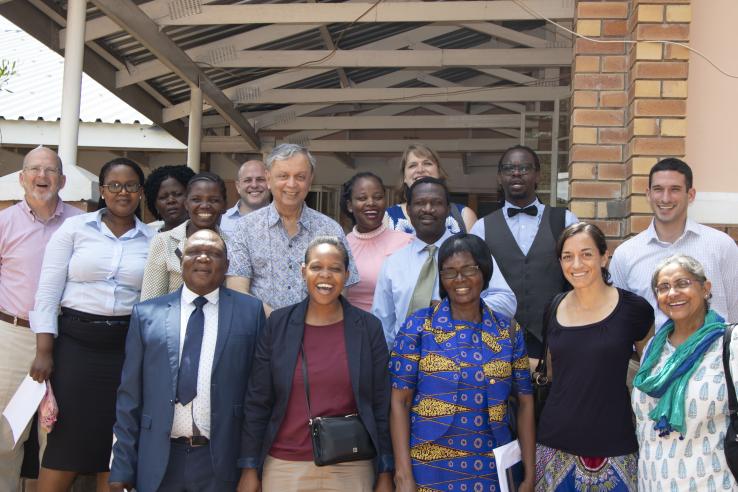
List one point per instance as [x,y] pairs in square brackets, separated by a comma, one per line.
[346,359]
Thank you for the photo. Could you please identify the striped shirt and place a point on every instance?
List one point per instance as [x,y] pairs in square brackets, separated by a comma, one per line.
[634,262]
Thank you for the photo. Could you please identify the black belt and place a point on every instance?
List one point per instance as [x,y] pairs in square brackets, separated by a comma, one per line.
[14,320]
[192,441]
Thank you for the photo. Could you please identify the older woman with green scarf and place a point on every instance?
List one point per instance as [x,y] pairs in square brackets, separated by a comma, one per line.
[680,394]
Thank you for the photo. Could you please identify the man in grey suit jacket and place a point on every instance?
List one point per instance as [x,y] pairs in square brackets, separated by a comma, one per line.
[180,401]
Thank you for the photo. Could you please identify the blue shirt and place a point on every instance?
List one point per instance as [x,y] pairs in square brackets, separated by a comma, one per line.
[88,269]
[230,218]
[397,281]
[523,227]
[260,249]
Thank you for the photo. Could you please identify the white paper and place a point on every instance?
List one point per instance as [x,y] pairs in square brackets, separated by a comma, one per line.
[23,406]
[506,456]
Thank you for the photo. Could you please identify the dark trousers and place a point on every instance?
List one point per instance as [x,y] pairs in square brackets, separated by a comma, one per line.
[190,469]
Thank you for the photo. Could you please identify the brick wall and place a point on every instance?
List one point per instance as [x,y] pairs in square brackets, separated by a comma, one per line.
[628,107]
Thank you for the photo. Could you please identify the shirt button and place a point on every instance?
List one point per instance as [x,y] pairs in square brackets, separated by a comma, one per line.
[289,287]
[289,245]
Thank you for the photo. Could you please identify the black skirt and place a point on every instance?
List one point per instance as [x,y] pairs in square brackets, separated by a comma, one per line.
[88,359]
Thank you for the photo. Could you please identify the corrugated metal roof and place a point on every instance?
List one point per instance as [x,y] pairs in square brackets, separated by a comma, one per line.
[35,91]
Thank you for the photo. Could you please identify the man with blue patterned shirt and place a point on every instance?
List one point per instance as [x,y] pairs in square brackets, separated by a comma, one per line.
[267,246]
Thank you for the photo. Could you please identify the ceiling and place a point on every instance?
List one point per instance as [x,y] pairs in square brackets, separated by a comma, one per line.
[347,78]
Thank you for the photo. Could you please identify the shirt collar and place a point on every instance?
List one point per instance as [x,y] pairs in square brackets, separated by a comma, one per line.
[689,227]
[139,228]
[234,210]
[57,211]
[188,296]
[273,215]
[417,245]
[535,202]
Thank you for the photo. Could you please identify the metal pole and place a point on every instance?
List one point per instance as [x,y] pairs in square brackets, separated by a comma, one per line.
[72,86]
[554,153]
[194,136]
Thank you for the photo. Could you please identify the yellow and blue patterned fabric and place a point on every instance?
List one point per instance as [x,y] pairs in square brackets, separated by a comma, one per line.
[462,374]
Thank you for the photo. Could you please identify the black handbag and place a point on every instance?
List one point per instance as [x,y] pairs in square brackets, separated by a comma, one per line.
[731,436]
[336,439]
[541,381]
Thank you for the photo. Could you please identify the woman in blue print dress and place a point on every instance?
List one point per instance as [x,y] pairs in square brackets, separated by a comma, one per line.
[453,367]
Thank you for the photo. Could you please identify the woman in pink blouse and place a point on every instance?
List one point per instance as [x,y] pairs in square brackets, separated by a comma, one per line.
[363,201]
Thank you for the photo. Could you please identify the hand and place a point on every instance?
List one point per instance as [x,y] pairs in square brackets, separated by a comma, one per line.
[405,482]
[41,367]
[249,481]
[526,486]
[384,482]
[120,486]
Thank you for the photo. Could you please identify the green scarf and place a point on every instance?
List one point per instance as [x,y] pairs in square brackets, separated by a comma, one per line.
[670,383]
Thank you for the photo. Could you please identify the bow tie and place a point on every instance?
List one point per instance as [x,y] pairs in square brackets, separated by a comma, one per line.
[531,210]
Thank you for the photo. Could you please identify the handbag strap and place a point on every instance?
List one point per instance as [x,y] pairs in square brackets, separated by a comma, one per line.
[732,401]
[542,368]
[305,381]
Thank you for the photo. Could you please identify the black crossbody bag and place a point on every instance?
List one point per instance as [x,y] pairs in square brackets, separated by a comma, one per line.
[541,382]
[731,435]
[336,439]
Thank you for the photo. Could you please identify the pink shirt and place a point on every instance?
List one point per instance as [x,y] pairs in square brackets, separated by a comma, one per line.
[369,251]
[23,239]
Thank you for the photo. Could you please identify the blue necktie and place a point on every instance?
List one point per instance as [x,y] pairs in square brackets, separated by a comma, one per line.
[190,360]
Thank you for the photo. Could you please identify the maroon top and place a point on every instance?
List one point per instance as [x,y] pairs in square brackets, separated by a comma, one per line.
[330,391]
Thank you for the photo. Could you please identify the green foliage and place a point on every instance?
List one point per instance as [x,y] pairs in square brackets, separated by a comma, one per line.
[7,70]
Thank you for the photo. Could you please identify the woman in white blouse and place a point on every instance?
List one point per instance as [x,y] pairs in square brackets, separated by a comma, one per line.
[92,270]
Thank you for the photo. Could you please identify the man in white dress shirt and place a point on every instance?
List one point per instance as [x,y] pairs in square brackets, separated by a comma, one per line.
[180,401]
[532,268]
[428,204]
[669,193]
[252,188]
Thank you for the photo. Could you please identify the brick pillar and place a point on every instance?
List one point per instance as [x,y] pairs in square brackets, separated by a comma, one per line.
[599,135]
[657,97]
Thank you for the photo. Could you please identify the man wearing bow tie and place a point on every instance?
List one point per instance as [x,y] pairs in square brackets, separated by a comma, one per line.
[180,400]
[532,268]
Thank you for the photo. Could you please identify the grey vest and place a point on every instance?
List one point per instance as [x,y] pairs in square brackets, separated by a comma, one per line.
[535,278]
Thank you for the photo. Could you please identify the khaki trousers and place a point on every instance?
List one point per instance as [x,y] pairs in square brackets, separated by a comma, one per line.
[304,476]
[17,351]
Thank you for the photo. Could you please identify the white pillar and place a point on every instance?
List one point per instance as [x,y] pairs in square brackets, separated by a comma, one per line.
[194,135]
[74,49]
[555,152]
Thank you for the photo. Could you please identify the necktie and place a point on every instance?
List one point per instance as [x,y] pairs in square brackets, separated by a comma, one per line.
[531,210]
[423,292]
[190,360]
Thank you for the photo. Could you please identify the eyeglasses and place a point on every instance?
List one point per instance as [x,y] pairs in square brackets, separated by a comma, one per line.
[680,284]
[522,169]
[118,187]
[37,170]
[452,273]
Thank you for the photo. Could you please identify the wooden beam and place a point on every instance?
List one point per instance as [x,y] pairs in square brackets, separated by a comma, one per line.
[437,58]
[327,13]
[234,144]
[405,94]
[130,17]
[399,122]
[507,34]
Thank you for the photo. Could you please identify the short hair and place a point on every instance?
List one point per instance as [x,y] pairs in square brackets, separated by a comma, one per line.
[333,241]
[348,188]
[536,160]
[420,150]
[58,159]
[220,239]
[472,244]
[429,180]
[593,232]
[208,177]
[672,164]
[182,174]
[689,264]
[119,161]
[286,150]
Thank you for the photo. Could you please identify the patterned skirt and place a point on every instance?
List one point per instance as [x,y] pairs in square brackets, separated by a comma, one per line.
[558,471]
